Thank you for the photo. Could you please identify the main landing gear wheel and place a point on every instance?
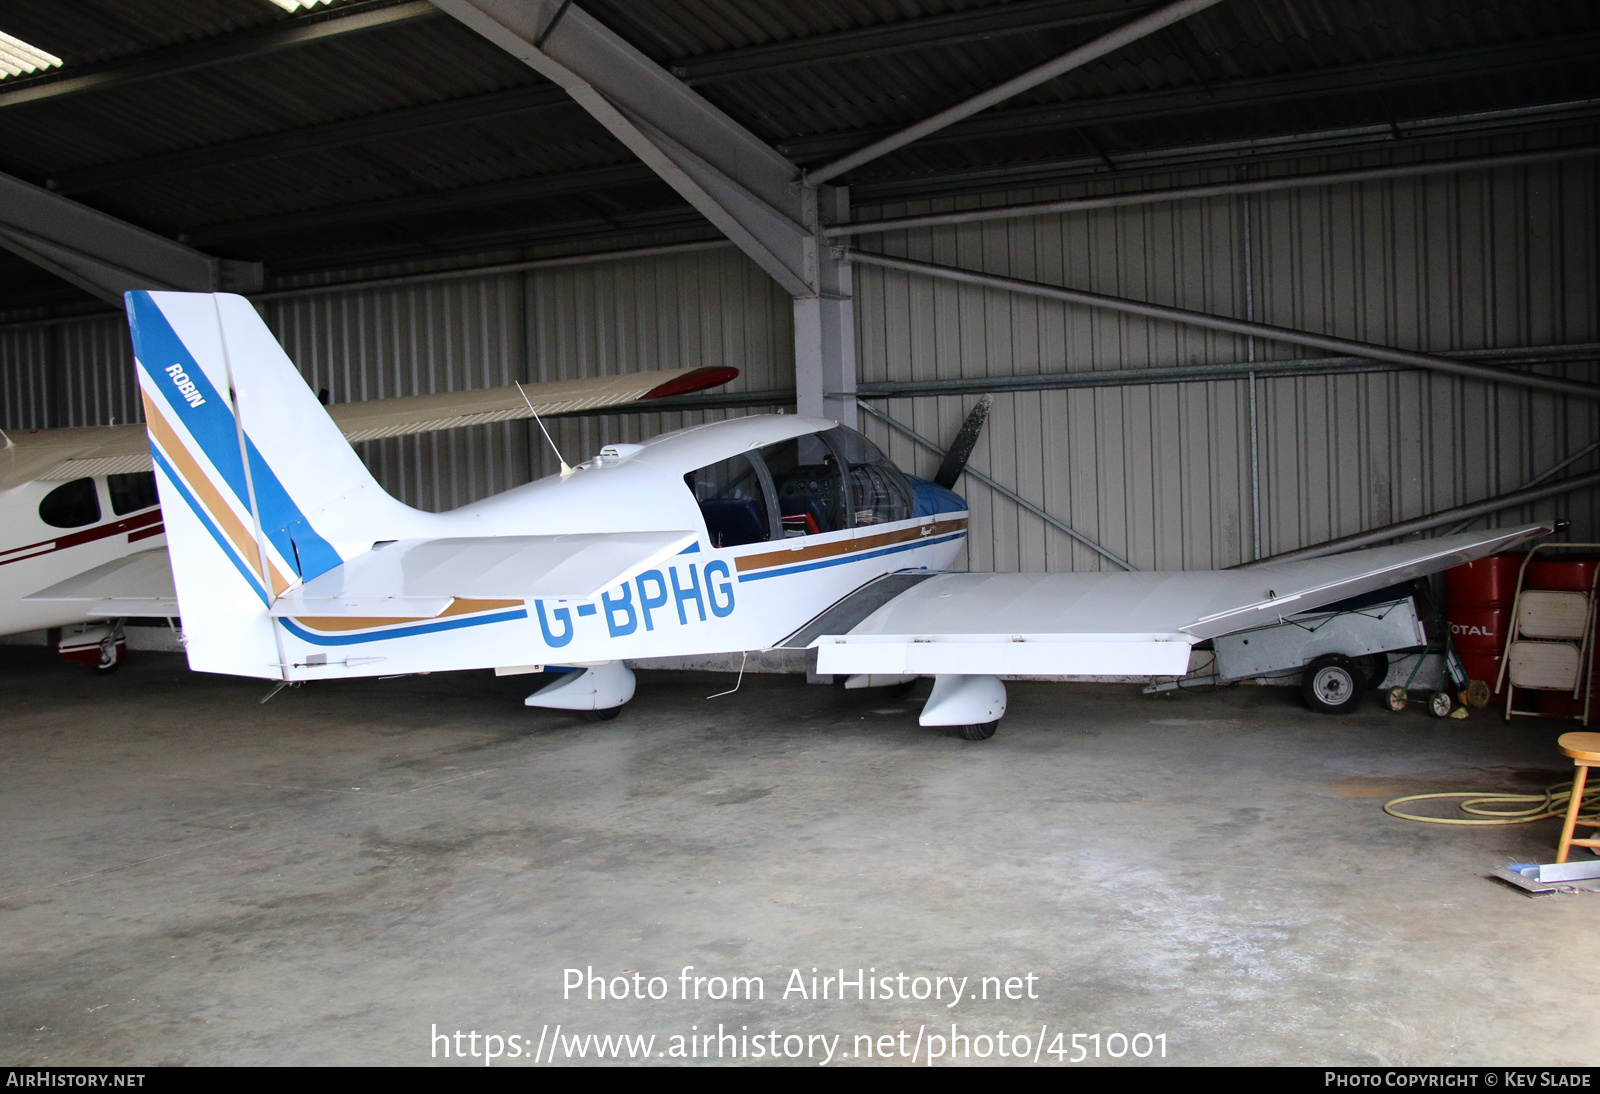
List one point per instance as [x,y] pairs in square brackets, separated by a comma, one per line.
[1333,684]
[981,732]
[605,715]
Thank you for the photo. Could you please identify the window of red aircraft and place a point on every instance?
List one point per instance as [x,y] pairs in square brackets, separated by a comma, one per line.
[71,505]
[130,493]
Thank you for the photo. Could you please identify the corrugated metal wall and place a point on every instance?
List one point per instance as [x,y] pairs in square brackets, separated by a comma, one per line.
[1160,474]
[670,311]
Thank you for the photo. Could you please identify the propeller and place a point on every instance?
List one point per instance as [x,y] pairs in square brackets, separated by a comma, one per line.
[955,460]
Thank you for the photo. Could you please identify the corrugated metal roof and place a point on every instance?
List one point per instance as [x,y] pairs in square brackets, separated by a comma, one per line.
[817,107]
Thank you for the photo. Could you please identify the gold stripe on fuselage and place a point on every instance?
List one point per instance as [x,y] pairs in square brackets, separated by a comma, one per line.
[789,557]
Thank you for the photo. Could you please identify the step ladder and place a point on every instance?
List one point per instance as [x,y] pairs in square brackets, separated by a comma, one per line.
[1550,643]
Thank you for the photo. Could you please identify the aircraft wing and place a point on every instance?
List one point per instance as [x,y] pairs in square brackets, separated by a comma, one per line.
[421,578]
[61,455]
[1108,624]
[139,584]
[374,418]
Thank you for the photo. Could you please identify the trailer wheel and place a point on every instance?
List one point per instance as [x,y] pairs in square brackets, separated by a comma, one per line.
[1333,684]
[1374,666]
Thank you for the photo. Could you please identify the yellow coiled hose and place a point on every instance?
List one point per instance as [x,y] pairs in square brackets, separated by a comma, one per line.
[1492,808]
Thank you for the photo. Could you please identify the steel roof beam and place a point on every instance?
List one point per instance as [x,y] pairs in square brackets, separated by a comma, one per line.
[734,179]
[1242,92]
[191,56]
[748,191]
[1265,369]
[1344,346]
[1017,17]
[103,255]
[1142,27]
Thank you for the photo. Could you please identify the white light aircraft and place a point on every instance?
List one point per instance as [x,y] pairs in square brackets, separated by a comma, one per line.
[292,564]
[80,505]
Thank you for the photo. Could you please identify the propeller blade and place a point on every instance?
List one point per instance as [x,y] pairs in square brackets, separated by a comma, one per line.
[955,460]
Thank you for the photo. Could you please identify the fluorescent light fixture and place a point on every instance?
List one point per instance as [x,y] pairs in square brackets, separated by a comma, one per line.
[18,58]
[298,5]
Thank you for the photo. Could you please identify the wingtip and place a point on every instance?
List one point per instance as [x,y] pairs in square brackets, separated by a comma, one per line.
[696,380]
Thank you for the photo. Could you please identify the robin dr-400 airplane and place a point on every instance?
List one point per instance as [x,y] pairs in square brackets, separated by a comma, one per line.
[770,531]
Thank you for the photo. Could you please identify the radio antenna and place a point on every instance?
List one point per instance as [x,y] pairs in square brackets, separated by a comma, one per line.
[565,470]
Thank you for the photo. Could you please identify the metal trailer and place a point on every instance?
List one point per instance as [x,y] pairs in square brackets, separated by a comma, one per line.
[1337,653]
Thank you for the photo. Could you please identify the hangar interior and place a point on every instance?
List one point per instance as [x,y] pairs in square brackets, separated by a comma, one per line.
[877,211]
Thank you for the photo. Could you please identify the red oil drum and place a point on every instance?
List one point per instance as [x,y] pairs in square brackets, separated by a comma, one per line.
[1575,572]
[1479,630]
[1483,666]
[1487,583]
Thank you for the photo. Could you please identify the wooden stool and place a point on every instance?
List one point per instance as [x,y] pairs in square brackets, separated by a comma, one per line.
[1584,748]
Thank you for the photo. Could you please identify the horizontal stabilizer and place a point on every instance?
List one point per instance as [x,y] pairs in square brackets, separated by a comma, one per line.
[420,577]
[1123,623]
[138,584]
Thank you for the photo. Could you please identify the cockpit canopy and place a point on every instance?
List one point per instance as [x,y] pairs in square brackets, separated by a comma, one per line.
[803,486]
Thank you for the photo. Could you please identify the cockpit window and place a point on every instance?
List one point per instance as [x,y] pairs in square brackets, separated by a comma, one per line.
[71,505]
[733,498]
[879,492]
[809,484]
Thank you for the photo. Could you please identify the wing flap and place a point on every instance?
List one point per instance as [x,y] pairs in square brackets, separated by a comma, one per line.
[422,577]
[139,584]
[1102,624]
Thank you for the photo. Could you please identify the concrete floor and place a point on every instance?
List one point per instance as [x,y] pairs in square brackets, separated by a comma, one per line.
[190,877]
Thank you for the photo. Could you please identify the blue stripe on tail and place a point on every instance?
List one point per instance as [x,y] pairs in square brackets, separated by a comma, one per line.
[209,419]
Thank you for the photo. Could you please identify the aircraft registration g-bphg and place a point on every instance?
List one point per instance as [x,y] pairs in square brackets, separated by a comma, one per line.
[292,564]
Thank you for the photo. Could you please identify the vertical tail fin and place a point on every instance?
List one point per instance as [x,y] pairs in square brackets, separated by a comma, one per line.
[259,490]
